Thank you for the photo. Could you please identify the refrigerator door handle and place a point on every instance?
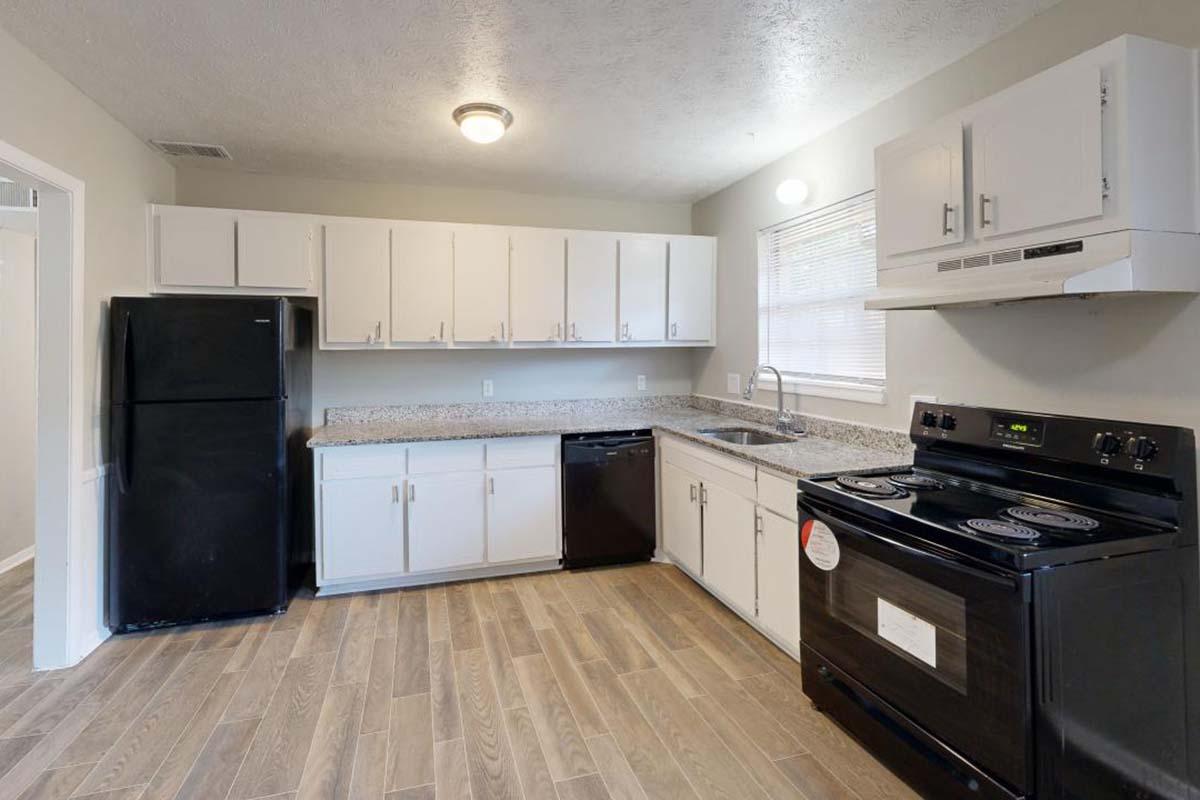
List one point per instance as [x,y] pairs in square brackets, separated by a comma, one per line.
[120,438]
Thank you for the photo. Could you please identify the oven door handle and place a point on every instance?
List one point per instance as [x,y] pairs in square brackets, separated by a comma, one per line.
[933,559]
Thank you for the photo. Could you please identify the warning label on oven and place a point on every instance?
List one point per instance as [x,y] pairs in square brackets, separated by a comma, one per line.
[911,634]
[820,545]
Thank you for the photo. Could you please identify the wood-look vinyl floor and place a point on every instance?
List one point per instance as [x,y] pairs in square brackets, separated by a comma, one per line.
[629,683]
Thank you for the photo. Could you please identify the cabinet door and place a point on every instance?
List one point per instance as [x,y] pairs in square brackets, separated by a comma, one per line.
[919,190]
[779,576]
[1036,153]
[591,287]
[729,545]
[422,282]
[643,289]
[480,284]
[356,283]
[680,496]
[195,246]
[274,252]
[445,521]
[362,528]
[522,519]
[690,289]
[538,270]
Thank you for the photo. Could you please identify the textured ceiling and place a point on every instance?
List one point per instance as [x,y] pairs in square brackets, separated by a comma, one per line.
[655,99]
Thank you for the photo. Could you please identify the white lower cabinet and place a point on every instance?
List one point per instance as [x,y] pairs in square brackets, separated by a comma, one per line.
[729,557]
[445,521]
[779,576]
[399,513]
[522,514]
[362,522]
[680,493]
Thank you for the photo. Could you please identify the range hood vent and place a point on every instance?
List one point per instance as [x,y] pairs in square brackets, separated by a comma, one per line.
[192,150]
[1111,263]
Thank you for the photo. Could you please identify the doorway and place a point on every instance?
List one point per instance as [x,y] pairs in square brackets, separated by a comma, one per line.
[66,612]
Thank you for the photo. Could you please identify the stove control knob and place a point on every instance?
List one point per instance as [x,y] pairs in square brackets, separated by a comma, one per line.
[948,423]
[1143,448]
[1106,444]
[928,419]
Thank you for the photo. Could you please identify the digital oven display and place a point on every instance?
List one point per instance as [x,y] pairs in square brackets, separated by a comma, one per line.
[1019,430]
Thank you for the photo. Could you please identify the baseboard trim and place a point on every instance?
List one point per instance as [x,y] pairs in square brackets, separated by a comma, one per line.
[434,578]
[16,559]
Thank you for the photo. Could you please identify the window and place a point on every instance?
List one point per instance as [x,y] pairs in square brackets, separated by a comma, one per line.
[814,272]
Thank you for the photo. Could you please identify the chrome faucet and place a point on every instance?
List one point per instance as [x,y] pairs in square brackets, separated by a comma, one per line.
[784,422]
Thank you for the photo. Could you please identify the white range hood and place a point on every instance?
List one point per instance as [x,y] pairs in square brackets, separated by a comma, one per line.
[1123,262]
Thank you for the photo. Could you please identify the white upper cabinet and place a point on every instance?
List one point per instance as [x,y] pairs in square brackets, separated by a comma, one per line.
[643,296]
[690,289]
[1036,153]
[356,283]
[591,287]
[275,251]
[538,282]
[481,284]
[919,189]
[194,247]
[422,282]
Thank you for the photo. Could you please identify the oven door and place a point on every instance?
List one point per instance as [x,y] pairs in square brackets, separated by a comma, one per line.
[943,642]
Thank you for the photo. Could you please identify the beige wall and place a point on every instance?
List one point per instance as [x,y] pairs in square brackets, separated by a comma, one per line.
[1127,358]
[44,115]
[380,378]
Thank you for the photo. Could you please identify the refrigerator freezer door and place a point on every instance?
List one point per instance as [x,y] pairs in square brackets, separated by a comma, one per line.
[197,514]
[176,349]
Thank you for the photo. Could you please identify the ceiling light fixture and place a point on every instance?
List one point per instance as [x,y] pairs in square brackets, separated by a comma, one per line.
[791,192]
[482,123]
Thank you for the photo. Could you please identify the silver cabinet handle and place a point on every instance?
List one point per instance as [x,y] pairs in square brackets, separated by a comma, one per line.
[674,329]
[984,201]
[558,330]
[502,336]
[412,492]
[574,336]
[703,495]
[758,524]
[946,229]
[625,331]
[441,331]
[395,493]
[693,491]
[491,485]
[378,332]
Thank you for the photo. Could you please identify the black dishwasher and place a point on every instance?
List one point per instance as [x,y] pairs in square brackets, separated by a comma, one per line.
[608,498]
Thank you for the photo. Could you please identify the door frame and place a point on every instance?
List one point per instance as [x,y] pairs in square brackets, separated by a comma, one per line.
[66,621]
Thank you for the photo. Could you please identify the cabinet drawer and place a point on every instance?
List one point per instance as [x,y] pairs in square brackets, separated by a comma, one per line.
[430,457]
[362,462]
[535,451]
[777,494]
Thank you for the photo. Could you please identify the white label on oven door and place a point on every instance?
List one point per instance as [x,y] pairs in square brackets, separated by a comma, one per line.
[820,545]
[911,634]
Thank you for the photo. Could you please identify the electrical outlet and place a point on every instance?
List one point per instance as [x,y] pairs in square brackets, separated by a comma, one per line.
[641,383]
[733,383]
[489,388]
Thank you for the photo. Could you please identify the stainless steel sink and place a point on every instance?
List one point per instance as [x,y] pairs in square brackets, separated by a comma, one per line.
[746,436]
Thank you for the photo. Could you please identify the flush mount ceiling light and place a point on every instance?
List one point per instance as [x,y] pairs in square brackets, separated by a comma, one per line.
[482,123]
[791,192]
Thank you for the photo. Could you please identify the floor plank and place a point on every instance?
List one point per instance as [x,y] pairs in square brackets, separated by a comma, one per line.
[581,593]
[813,780]
[215,769]
[500,663]
[354,655]
[322,630]
[649,759]
[329,767]
[464,623]
[618,646]
[378,705]
[588,787]
[262,678]
[578,697]
[618,777]
[412,646]
[573,632]
[58,784]
[450,766]
[721,645]
[774,782]
[370,767]
[439,621]
[532,603]
[276,758]
[566,753]
[662,656]
[517,631]
[410,745]
[531,760]
[447,722]
[481,594]
[712,769]
[490,764]
[654,617]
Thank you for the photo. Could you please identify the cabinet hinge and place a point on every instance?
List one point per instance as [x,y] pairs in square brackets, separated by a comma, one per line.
[1103,94]
[1105,187]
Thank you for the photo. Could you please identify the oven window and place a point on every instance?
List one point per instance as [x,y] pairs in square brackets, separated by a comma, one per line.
[919,622]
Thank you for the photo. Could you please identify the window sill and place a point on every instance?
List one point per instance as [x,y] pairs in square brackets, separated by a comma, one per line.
[837,390]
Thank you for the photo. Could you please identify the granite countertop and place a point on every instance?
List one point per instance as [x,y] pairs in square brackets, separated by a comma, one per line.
[805,457]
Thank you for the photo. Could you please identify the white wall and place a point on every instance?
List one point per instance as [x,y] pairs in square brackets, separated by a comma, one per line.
[1125,358]
[47,117]
[18,391]
[383,378]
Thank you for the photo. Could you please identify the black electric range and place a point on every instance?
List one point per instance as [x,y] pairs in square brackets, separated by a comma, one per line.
[1016,615]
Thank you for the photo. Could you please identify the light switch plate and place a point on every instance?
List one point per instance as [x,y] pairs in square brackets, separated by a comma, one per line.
[733,383]
[489,388]
[641,383]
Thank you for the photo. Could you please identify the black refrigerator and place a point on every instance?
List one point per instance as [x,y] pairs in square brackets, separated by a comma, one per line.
[210,490]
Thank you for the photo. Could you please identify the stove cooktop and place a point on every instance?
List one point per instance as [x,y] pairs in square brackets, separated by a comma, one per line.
[989,522]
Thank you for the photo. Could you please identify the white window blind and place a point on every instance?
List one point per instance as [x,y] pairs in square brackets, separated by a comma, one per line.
[814,273]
